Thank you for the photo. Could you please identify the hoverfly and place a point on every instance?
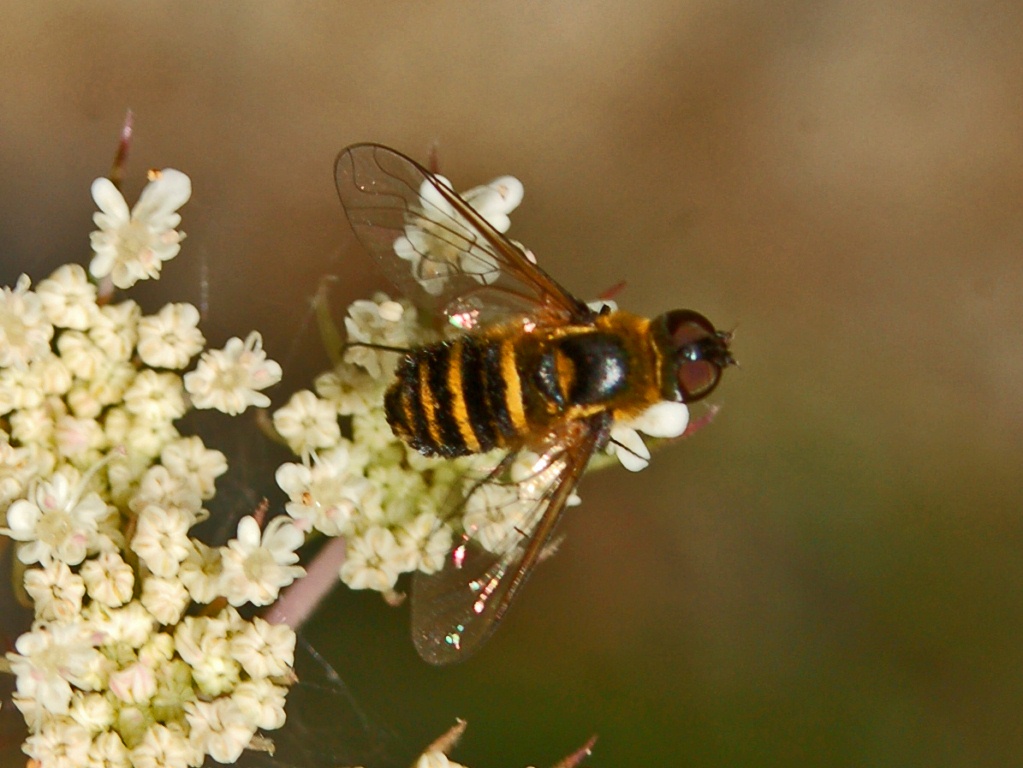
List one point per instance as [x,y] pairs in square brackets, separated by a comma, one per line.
[534,372]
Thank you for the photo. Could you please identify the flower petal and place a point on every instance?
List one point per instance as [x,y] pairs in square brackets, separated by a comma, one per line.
[630,448]
[109,199]
[663,419]
[163,196]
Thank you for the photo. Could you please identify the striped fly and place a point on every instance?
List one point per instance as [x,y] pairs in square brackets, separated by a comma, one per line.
[534,372]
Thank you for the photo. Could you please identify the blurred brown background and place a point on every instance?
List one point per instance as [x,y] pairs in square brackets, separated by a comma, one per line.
[832,573]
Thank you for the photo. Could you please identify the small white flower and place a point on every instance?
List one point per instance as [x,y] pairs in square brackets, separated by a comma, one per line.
[115,330]
[36,716]
[55,591]
[12,389]
[92,710]
[78,439]
[230,379]
[32,426]
[264,649]
[436,236]
[166,599]
[171,337]
[108,579]
[25,332]
[216,673]
[24,387]
[157,651]
[133,246]
[327,495]
[55,523]
[257,566]
[201,572]
[374,560]
[307,423]
[261,702]
[350,388]
[30,392]
[52,375]
[123,472]
[59,743]
[88,397]
[492,515]
[405,494]
[155,397]
[17,468]
[174,683]
[159,486]
[365,323]
[68,298]
[189,458]
[161,538]
[131,625]
[164,747]
[81,355]
[428,542]
[147,437]
[49,660]
[194,637]
[372,432]
[108,751]
[665,419]
[391,311]
[135,684]
[132,724]
[219,728]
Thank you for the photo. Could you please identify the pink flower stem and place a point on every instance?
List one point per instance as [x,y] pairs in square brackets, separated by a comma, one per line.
[299,600]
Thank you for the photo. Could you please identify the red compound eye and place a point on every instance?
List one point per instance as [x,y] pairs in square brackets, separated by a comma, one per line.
[701,352]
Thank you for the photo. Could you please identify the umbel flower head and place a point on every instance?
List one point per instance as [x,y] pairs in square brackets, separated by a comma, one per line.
[144,652]
[137,655]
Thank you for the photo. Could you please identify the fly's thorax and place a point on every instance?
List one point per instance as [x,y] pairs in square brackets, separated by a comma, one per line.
[576,371]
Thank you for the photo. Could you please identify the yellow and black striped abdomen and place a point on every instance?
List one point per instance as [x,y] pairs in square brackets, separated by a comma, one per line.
[458,397]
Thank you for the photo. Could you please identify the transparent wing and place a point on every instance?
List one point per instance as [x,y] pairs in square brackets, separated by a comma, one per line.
[436,248]
[509,516]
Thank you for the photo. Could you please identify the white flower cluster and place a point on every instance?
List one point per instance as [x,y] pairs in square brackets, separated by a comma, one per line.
[371,488]
[136,656]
